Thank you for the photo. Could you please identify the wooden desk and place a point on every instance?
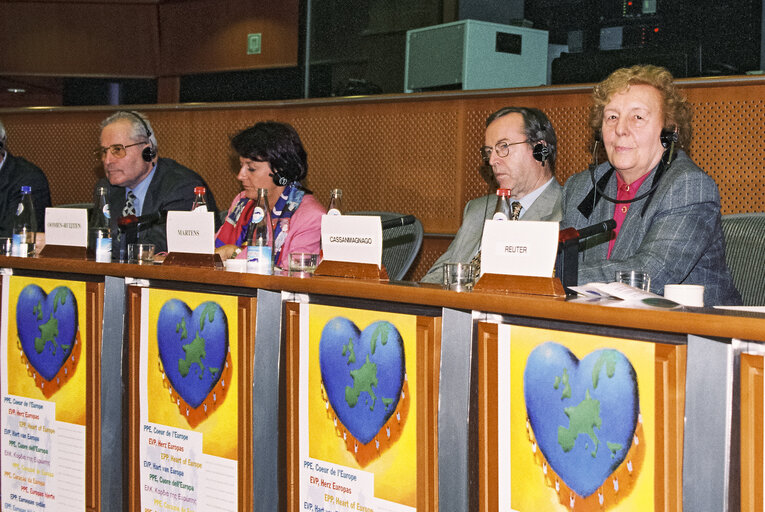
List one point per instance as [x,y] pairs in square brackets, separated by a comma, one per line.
[455,374]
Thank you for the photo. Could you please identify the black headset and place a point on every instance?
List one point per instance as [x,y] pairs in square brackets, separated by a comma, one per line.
[279,179]
[149,152]
[541,152]
[668,140]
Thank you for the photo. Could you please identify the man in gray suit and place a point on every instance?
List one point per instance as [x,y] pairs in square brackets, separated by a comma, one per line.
[667,210]
[521,150]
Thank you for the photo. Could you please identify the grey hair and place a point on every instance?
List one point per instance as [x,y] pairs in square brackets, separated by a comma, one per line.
[139,129]
[2,131]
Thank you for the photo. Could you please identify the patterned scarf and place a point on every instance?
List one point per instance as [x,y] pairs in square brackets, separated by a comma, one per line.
[281,213]
[234,229]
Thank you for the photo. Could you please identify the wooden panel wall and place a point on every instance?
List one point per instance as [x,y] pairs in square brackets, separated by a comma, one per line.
[79,39]
[415,153]
[201,36]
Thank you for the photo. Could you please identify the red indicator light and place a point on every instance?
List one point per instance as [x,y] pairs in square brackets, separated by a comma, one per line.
[656,29]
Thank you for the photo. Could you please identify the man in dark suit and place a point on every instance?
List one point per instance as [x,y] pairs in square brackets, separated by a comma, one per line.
[521,151]
[14,173]
[667,210]
[138,182]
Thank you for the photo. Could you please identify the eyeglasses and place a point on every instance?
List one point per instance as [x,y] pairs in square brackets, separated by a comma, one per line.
[117,150]
[502,148]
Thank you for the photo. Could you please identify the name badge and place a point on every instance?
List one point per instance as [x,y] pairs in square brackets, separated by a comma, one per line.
[519,248]
[352,238]
[191,232]
[66,226]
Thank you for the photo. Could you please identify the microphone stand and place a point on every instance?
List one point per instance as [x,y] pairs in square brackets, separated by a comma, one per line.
[567,261]
[127,233]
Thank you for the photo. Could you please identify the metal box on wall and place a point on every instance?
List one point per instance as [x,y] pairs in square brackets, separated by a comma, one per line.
[472,54]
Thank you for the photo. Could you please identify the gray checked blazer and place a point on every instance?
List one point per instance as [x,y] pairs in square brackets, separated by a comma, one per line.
[465,244]
[673,234]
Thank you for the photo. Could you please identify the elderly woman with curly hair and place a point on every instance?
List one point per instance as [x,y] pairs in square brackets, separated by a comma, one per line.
[667,210]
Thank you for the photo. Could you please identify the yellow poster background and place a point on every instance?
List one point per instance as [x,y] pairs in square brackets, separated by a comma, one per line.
[71,399]
[529,491]
[220,429]
[395,471]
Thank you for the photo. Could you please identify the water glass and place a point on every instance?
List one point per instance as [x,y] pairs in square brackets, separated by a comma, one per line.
[459,276]
[302,263]
[635,278]
[142,254]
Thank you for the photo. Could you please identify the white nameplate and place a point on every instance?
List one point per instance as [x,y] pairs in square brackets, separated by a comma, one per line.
[352,238]
[191,232]
[66,226]
[519,248]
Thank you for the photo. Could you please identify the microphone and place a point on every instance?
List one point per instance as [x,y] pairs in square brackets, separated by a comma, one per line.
[140,222]
[404,220]
[570,234]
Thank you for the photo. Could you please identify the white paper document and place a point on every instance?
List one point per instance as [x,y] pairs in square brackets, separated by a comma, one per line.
[629,295]
[352,238]
[525,248]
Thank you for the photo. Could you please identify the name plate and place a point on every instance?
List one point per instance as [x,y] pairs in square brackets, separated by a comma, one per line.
[520,248]
[66,226]
[352,238]
[191,232]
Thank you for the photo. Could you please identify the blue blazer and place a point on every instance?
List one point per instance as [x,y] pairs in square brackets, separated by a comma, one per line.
[673,234]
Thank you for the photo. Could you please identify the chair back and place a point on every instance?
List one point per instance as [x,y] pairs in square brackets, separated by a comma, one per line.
[745,254]
[400,244]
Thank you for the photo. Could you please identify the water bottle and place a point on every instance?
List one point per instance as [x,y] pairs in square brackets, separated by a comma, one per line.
[503,210]
[259,249]
[200,201]
[99,229]
[24,225]
[335,202]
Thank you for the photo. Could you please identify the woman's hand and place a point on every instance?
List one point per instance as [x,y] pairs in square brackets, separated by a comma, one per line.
[226,251]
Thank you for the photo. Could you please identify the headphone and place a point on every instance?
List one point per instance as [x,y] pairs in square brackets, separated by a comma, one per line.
[279,179]
[149,153]
[541,152]
[668,140]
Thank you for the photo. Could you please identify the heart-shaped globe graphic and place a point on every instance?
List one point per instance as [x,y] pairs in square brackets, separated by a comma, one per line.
[192,347]
[47,327]
[363,373]
[583,413]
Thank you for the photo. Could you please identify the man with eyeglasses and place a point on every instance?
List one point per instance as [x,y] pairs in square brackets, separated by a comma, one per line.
[140,183]
[520,148]
[14,173]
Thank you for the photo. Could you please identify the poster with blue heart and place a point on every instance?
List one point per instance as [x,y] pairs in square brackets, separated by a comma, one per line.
[358,428]
[575,421]
[44,394]
[189,416]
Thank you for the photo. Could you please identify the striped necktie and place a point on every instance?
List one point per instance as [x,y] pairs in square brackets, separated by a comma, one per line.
[129,208]
[516,213]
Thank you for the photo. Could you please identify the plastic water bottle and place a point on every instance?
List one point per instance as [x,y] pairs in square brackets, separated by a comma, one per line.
[24,225]
[99,230]
[335,202]
[503,210]
[200,201]
[259,248]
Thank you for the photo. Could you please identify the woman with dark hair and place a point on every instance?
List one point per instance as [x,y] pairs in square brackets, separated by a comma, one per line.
[667,210]
[272,157]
